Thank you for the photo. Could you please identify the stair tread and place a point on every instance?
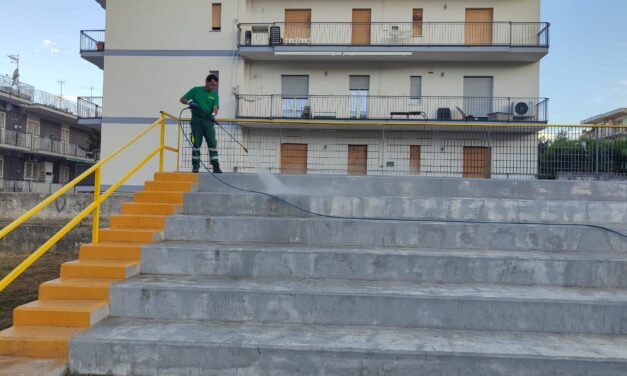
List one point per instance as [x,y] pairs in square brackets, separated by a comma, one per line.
[141,230]
[35,332]
[407,290]
[80,282]
[354,339]
[114,244]
[58,305]
[195,246]
[103,263]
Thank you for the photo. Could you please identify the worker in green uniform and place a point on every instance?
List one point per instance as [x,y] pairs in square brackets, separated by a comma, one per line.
[204,102]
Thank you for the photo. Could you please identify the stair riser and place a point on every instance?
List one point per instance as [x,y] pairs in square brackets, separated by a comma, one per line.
[398,207]
[130,237]
[459,313]
[168,186]
[392,234]
[67,319]
[417,187]
[112,358]
[159,197]
[35,348]
[98,272]
[149,209]
[512,270]
[87,293]
[139,222]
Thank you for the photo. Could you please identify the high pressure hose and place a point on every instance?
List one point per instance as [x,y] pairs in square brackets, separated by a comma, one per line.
[215,176]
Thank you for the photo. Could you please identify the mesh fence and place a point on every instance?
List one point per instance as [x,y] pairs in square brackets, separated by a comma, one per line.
[498,151]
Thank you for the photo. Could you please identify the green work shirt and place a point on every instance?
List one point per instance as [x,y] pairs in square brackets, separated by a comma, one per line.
[205,99]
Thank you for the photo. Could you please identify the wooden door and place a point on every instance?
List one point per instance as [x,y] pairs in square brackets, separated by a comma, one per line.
[478,30]
[297,25]
[361,26]
[293,158]
[414,159]
[477,162]
[357,159]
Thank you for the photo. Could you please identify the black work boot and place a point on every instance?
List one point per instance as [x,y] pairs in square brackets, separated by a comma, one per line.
[216,168]
[195,170]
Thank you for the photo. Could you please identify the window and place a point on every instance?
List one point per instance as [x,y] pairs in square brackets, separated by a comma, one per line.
[65,134]
[415,88]
[64,175]
[417,22]
[32,127]
[31,171]
[3,120]
[216,16]
[297,26]
[1,167]
[359,89]
[294,94]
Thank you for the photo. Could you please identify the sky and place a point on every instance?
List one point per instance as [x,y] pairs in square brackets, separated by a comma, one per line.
[585,73]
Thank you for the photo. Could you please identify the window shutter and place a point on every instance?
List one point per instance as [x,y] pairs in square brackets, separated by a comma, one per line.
[295,86]
[359,82]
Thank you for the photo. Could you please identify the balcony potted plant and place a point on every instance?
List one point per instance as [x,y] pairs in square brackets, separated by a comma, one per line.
[100,46]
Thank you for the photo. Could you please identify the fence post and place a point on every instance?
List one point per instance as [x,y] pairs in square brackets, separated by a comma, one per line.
[596,159]
[162,143]
[96,217]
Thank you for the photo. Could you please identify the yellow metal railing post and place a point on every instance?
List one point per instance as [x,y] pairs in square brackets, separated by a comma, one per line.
[178,147]
[96,217]
[162,143]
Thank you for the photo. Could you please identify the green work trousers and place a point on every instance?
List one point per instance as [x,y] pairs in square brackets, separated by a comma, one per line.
[203,128]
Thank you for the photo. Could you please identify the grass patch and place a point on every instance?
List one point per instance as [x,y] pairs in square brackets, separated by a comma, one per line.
[25,288]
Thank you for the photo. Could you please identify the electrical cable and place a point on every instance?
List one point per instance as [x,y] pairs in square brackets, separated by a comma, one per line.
[418,220]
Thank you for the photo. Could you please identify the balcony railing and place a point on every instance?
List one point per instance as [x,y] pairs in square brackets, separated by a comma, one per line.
[500,109]
[16,88]
[92,40]
[55,102]
[38,143]
[90,107]
[427,34]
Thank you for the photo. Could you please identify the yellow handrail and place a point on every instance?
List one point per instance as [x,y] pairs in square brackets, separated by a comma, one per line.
[93,206]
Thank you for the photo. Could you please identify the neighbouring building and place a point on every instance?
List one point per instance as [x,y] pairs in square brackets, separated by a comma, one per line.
[42,144]
[391,87]
[616,117]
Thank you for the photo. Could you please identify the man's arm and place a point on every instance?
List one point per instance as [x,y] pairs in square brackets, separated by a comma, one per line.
[215,110]
[184,100]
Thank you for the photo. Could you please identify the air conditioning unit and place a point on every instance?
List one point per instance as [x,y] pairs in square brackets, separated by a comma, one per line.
[6,107]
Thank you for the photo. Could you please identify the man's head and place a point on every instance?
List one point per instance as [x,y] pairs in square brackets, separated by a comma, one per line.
[212,82]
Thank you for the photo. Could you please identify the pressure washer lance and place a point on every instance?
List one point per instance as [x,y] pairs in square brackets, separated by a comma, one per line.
[194,106]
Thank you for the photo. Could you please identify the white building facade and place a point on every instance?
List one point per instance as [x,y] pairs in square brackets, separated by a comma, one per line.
[335,86]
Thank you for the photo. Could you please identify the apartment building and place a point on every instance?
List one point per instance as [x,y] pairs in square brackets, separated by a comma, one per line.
[615,117]
[371,87]
[42,144]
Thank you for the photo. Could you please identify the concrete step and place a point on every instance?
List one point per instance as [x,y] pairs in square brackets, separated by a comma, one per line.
[377,233]
[219,349]
[63,313]
[376,303]
[37,341]
[76,288]
[100,269]
[176,176]
[150,208]
[137,221]
[130,235]
[332,185]
[575,269]
[156,197]
[169,186]
[16,366]
[488,209]
[111,251]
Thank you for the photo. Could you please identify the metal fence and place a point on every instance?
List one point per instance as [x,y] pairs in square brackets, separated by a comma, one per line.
[92,40]
[38,143]
[55,102]
[26,186]
[16,88]
[501,109]
[498,151]
[89,107]
[512,34]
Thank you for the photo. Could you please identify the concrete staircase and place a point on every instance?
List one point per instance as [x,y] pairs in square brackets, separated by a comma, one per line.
[246,285]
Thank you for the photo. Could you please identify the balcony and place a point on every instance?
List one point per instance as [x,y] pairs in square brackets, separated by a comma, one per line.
[411,41]
[90,111]
[42,145]
[93,46]
[394,109]
[103,3]
[16,89]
